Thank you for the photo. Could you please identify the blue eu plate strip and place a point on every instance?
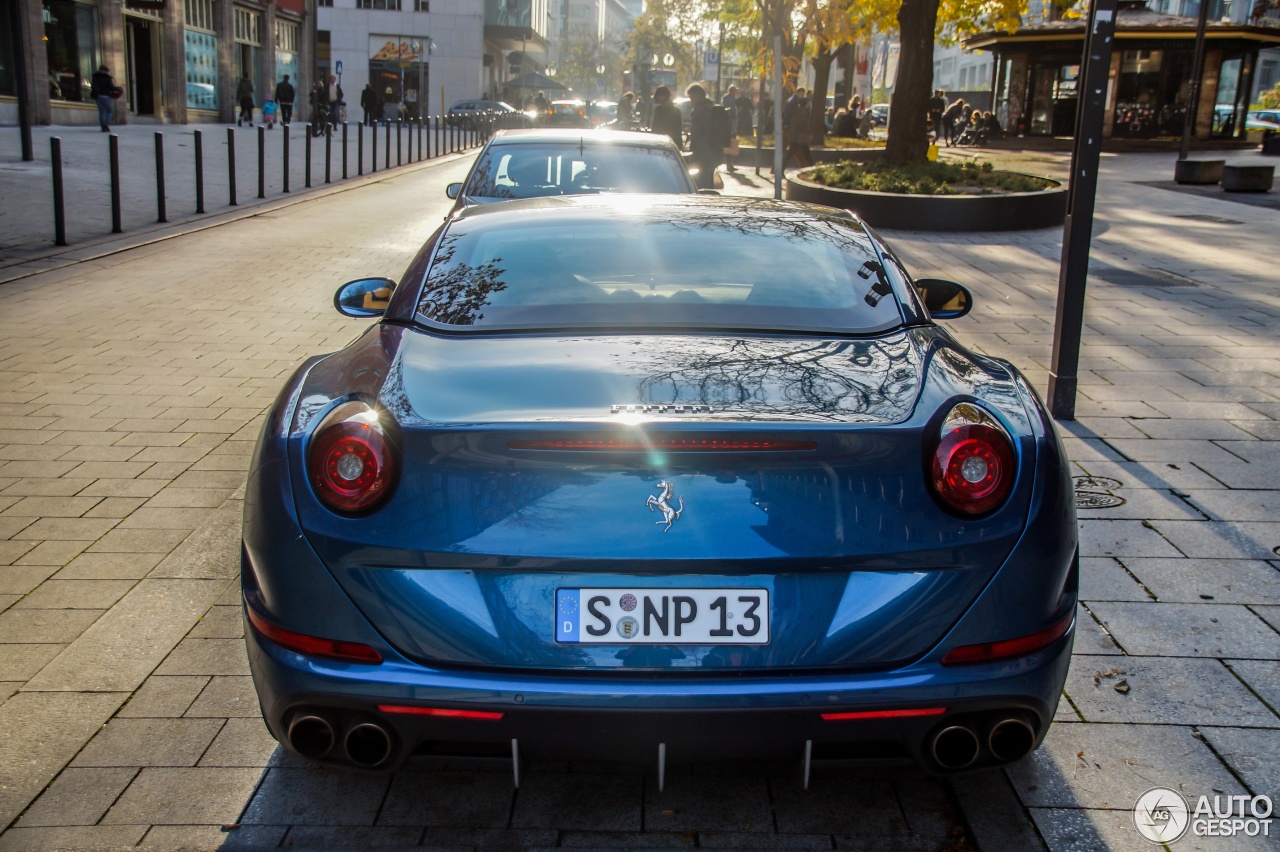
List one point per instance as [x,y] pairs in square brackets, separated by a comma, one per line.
[568,612]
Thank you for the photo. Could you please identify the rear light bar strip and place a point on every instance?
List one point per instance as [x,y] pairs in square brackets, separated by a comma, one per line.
[439,711]
[987,652]
[688,445]
[313,646]
[883,714]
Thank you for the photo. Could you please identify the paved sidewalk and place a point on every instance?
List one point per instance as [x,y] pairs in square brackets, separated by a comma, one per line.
[27,229]
[132,388]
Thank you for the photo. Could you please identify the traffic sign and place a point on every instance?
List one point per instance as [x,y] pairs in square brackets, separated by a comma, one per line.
[712,57]
[337,67]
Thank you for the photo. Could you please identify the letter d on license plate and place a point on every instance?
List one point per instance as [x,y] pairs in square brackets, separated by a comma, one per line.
[663,616]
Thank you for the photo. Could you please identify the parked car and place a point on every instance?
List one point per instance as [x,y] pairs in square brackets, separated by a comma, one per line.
[880,114]
[658,478]
[534,163]
[1263,119]
[602,112]
[464,113]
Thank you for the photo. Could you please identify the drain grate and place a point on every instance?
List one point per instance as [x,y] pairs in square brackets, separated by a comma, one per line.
[1093,492]
[1200,217]
[1143,278]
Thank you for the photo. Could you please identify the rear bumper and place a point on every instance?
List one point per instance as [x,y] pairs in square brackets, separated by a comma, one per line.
[696,718]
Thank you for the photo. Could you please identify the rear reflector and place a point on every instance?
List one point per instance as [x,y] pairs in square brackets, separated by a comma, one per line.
[313,646]
[1008,648]
[883,714]
[666,445]
[439,711]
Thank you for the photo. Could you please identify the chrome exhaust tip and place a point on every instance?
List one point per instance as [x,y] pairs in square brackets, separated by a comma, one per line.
[310,735]
[955,747]
[1011,739]
[368,744]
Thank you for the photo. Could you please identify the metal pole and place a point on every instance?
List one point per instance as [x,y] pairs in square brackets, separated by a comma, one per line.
[59,209]
[307,136]
[328,152]
[373,147]
[1193,88]
[386,158]
[20,83]
[231,164]
[360,148]
[777,116]
[419,139]
[114,150]
[262,161]
[344,149]
[1087,148]
[199,172]
[719,61]
[437,122]
[399,139]
[160,206]
[285,142]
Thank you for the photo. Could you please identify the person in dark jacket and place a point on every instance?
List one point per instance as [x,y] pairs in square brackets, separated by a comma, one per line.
[666,116]
[951,121]
[244,96]
[743,112]
[102,90]
[369,103]
[284,99]
[708,151]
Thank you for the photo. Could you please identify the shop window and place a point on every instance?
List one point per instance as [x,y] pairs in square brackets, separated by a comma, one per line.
[72,48]
[1150,93]
[286,50]
[200,15]
[391,5]
[422,5]
[8,85]
[201,49]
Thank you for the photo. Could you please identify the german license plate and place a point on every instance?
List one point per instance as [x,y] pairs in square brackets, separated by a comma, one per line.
[673,616]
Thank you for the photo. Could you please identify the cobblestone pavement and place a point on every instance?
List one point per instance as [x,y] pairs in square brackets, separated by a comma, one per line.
[132,387]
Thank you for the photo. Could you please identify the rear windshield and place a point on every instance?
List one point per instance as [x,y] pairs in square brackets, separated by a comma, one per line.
[573,168]
[669,268]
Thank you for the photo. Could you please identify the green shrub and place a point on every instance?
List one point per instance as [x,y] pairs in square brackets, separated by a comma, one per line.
[924,178]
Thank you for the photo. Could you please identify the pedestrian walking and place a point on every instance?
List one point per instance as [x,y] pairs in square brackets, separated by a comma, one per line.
[369,103]
[708,150]
[269,114]
[937,106]
[949,120]
[800,134]
[666,117]
[624,114]
[744,114]
[244,96]
[284,100]
[730,105]
[319,103]
[103,91]
[764,114]
[335,101]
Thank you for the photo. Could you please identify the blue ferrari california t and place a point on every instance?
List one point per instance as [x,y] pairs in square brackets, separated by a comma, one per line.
[660,478]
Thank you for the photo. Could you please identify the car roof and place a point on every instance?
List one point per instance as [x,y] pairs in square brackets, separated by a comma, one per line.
[653,208]
[573,136]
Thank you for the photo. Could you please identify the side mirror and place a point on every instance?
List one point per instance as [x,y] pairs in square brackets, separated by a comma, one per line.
[364,297]
[944,299]
[453,190]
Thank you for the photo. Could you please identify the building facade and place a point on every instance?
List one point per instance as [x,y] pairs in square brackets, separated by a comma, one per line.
[419,55]
[178,61]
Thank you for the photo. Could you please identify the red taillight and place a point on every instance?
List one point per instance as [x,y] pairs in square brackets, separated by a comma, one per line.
[439,711]
[973,467]
[313,646]
[883,714]
[350,462]
[1006,649]
[667,445]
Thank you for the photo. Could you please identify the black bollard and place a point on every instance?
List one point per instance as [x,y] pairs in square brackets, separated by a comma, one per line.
[373,147]
[59,210]
[199,172]
[231,164]
[285,142]
[114,151]
[160,207]
[308,158]
[360,148]
[328,152]
[262,161]
[386,157]
[344,150]
[419,139]
[399,137]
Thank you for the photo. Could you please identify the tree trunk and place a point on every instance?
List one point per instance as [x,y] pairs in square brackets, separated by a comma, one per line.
[818,105]
[908,120]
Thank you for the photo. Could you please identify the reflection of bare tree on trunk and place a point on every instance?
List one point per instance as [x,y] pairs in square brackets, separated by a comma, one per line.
[841,380]
[455,293]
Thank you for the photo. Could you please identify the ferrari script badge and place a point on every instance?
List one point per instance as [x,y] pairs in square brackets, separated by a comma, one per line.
[663,504]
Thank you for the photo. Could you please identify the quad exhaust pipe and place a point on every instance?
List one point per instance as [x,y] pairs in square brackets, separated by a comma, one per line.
[1010,739]
[311,735]
[368,744]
